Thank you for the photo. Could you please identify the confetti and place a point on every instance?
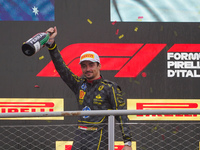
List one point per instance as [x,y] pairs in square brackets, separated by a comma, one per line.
[174,132]
[136,29]
[177,128]
[121,36]
[175,33]
[88,20]
[144,74]
[137,82]
[154,129]
[151,90]
[163,130]
[161,29]
[163,137]
[41,57]
[36,86]
[117,31]
[113,23]
[140,17]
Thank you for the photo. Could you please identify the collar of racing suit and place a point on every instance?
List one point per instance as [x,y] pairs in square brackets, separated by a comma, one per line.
[95,81]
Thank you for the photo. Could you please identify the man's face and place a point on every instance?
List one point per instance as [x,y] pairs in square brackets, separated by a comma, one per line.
[90,70]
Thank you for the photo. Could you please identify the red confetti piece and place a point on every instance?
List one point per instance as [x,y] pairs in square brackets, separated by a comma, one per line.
[163,137]
[117,31]
[36,86]
[144,74]
[140,17]
[114,22]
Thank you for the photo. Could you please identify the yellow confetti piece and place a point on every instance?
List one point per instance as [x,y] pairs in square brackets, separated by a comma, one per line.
[88,20]
[137,82]
[121,36]
[151,90]
[163,130]
[139,19]
[154,129]
[136,29]
[41,57]
[161,29]
[175,33]
[174,132]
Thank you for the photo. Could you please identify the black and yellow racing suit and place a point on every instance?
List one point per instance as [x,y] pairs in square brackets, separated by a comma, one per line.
[101,94]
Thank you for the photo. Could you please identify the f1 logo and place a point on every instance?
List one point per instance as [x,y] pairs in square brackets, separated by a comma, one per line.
[128,59]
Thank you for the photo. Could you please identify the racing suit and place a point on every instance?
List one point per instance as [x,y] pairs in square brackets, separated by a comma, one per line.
[101,94]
